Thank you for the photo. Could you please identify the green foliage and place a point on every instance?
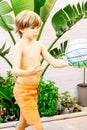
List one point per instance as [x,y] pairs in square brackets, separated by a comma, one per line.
[67,101]
[59,52]
[5,19]
[18,6]
[43,8]
[48,98]
[8,108]
[65,18]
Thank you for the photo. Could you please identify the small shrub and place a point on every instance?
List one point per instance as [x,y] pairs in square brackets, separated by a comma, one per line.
[9,110]
[48,98]
[68,102]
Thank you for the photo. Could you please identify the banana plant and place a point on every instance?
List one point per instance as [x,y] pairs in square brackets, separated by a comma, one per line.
[63,20]
[42,7]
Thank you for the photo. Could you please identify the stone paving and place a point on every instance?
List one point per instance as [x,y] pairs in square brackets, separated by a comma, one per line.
[79,123]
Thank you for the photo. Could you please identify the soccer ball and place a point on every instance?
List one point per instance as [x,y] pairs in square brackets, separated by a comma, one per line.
[76,53]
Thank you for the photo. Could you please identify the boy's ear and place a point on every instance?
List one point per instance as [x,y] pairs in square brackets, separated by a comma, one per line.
[21,30]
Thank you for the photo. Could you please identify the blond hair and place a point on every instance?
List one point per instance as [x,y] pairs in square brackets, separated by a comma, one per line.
[27,19]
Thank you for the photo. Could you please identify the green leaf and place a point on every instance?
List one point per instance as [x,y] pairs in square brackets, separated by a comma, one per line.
[46,9]
[2,51]
[71,13]
[5,93]
[80,9]
[76,11]
[37,5]
[65,18]
[20,5]
[83,6]
[5,8]
[60,22]
[5,52]
[59,52]
[2,48]
[54,52]
[8,20]
[86,9]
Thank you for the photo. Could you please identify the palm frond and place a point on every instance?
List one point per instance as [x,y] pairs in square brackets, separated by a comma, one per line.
[65,18]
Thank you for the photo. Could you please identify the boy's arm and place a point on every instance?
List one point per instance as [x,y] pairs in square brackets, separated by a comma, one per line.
[51,60]
[17,54]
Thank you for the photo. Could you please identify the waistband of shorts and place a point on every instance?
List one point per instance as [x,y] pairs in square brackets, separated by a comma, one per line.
[26,86]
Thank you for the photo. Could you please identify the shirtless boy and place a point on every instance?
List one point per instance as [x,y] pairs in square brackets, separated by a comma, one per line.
[27,68]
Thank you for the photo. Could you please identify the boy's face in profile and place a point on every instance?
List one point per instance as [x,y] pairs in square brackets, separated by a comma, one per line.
[30,33]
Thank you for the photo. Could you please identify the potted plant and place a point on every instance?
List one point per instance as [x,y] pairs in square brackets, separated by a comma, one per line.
[82,91]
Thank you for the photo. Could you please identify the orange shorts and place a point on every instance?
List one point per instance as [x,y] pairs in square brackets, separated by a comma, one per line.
[26,97]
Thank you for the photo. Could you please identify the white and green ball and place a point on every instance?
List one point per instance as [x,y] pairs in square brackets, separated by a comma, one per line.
[76,53]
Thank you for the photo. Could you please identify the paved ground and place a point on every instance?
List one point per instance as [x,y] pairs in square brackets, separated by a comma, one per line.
[77,123]
[73,121]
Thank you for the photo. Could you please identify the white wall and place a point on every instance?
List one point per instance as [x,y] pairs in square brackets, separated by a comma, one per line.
[65,78]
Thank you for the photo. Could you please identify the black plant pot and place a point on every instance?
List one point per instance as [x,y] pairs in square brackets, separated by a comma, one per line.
[82,94]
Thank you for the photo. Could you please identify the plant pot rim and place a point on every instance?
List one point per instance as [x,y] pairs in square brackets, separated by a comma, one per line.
[84,85]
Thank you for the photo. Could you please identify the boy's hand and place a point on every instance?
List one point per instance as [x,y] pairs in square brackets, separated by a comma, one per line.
[34,70]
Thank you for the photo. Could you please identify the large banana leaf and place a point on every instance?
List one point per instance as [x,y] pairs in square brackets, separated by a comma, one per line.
[4,7]
[5,20]
[37,5]
[46,9]
[42,7]
[19,5]
[65,18]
